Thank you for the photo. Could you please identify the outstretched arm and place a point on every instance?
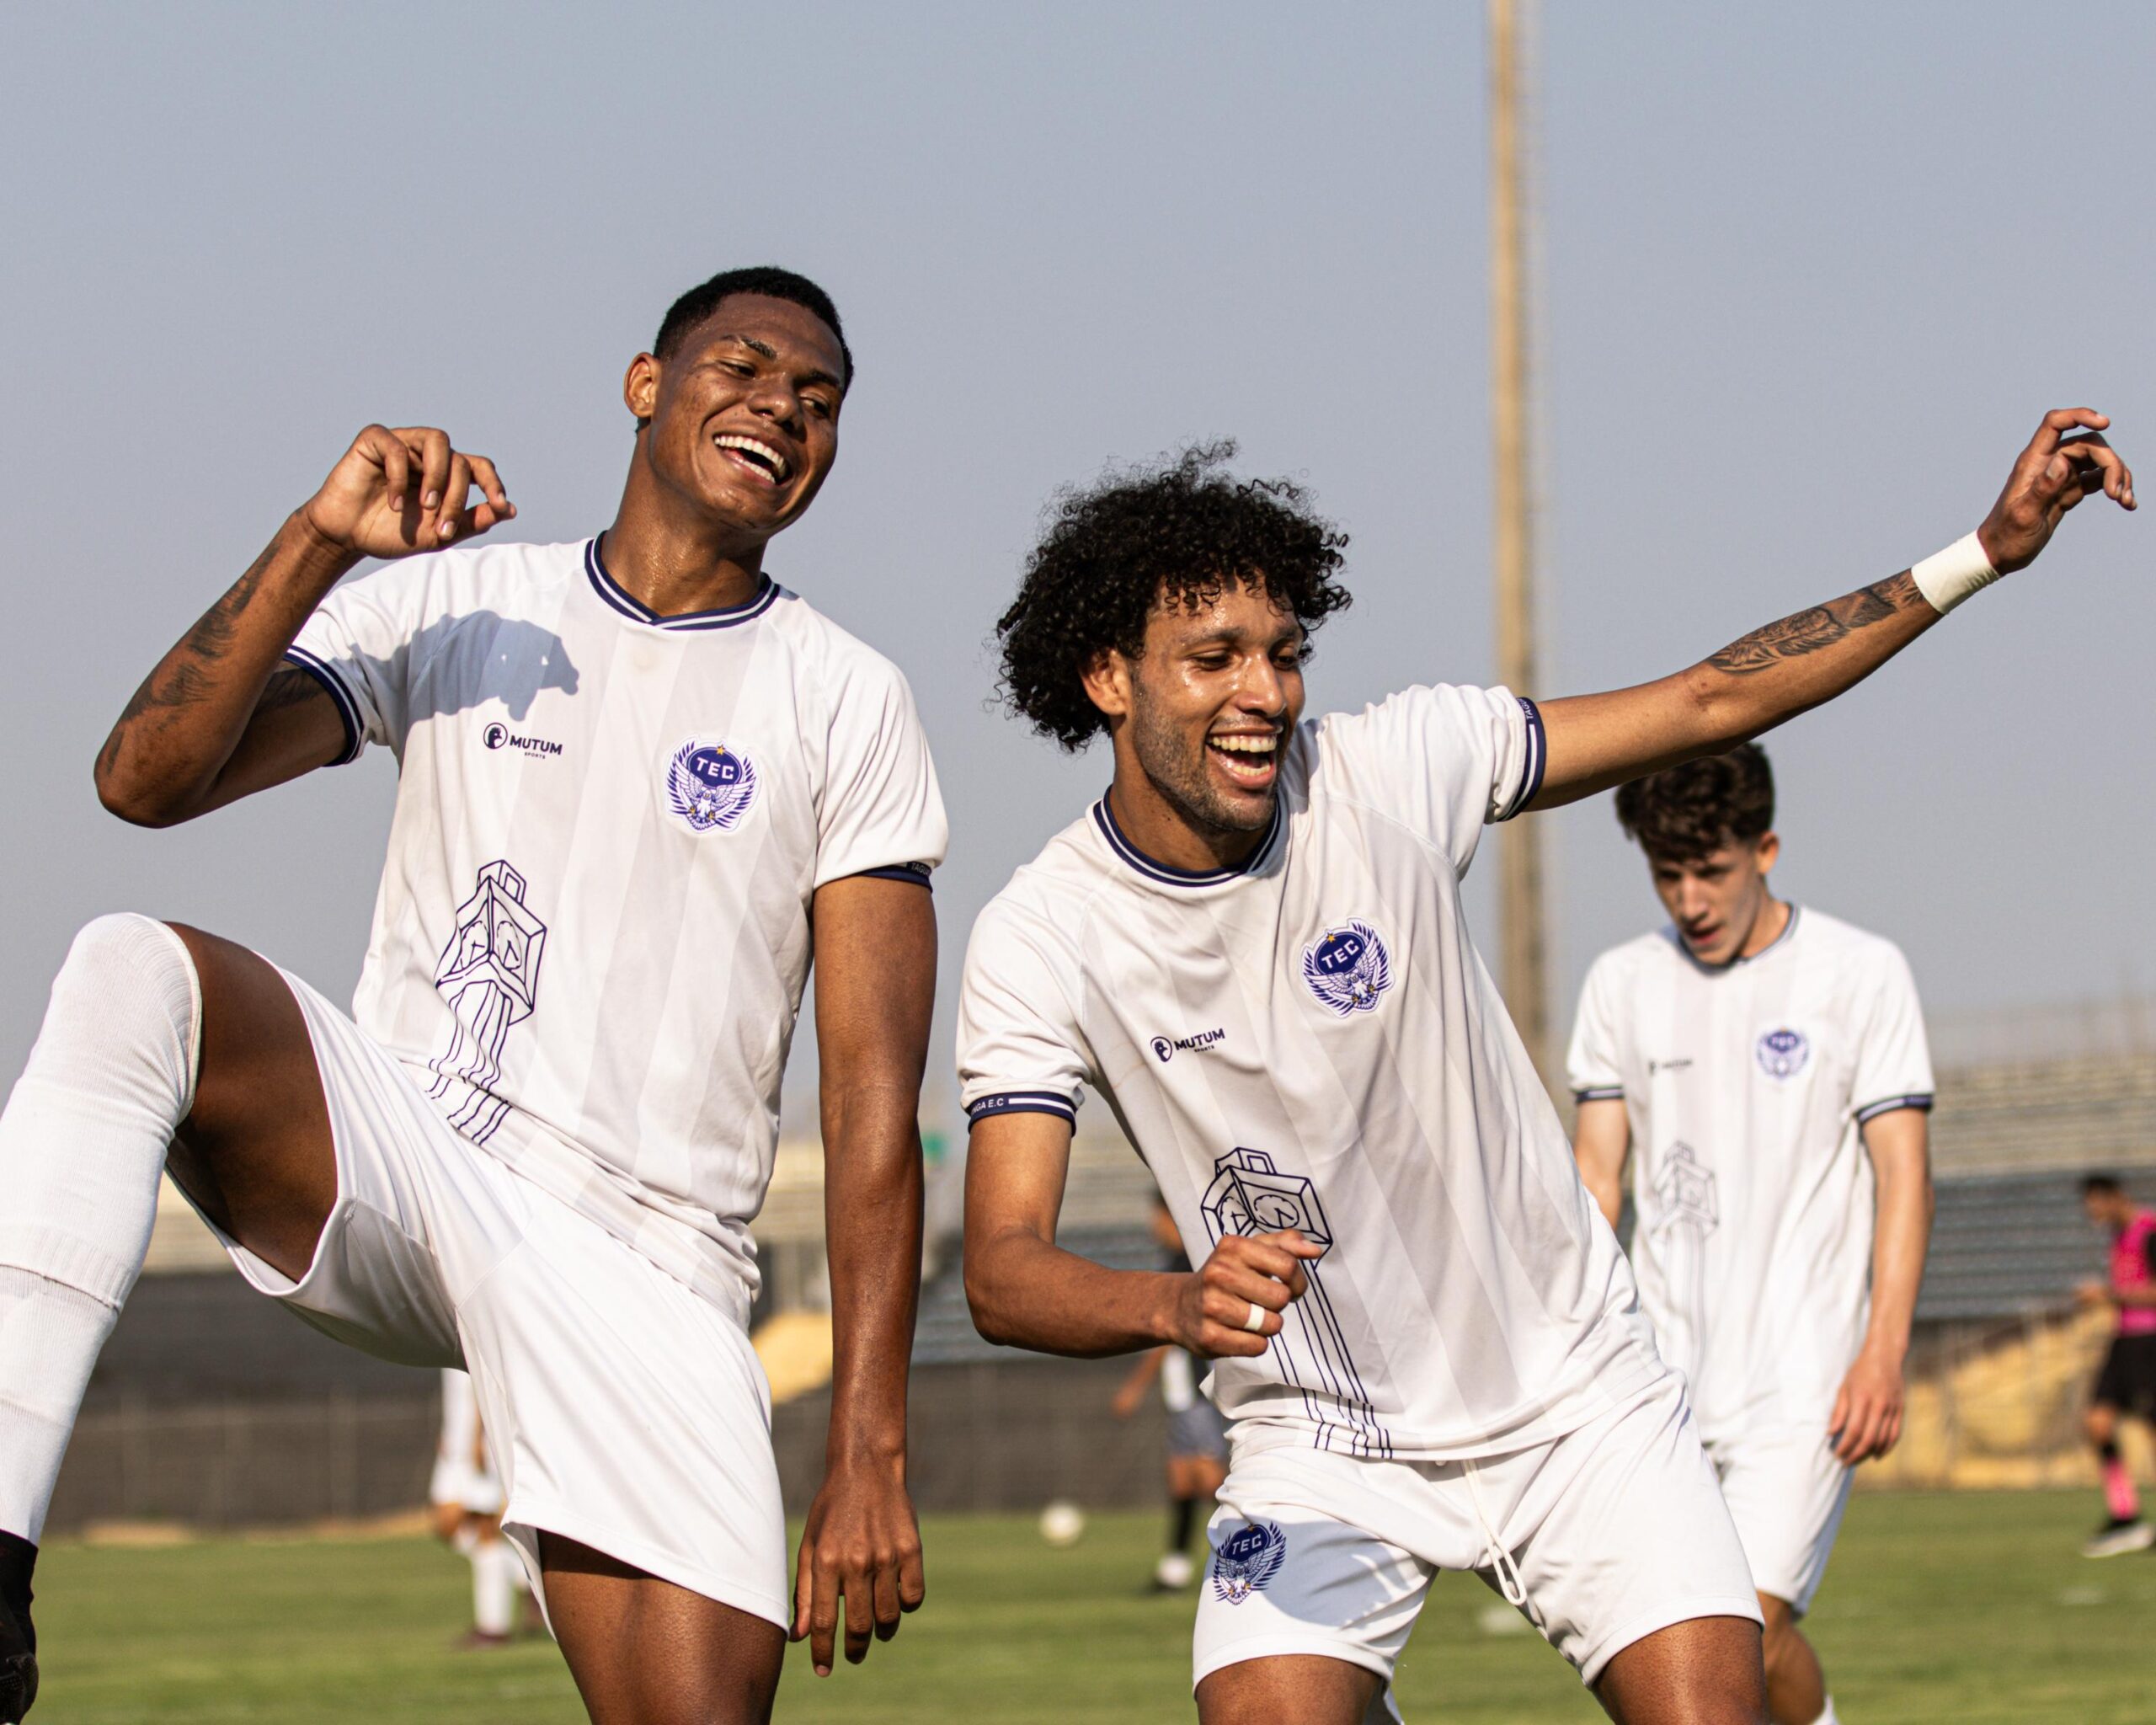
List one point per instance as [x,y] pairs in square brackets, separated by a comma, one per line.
[1775,673]
[875,994]
[1025,1291]
[221,717]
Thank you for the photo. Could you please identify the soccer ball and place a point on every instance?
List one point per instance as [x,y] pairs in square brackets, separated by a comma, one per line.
[1063,1523]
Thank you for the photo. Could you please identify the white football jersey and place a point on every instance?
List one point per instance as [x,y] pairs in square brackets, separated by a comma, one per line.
[1748,1086]
[593,929]
[1311,1041]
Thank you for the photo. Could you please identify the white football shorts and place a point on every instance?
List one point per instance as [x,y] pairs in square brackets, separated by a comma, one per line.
[1600,1537]
[1787,1491]
[621,1409]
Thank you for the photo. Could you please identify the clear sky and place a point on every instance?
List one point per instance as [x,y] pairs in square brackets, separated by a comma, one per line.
[1811,274]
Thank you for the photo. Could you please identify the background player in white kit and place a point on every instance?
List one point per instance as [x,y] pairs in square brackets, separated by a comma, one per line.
[465,1499]
[1427,1341]
[634,775]
[1764,1068]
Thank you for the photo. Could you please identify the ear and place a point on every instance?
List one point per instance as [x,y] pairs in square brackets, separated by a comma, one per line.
[1765,852]
[640,387]
[1107,680]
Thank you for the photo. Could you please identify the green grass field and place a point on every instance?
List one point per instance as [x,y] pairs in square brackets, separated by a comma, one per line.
[1967,1608]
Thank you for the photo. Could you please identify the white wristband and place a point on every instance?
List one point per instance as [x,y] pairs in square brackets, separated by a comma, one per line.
[1948,577]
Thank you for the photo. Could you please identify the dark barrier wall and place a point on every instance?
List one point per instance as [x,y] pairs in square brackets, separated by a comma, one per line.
[213,1406]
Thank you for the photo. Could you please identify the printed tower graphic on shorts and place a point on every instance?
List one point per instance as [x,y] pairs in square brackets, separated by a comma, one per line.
[1687,1190]
[489,976]
[1249,1196]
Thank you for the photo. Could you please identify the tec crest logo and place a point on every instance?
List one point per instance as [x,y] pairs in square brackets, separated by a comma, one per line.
[1248,1559]
[1783,1052]
[710,786]
[1347,968]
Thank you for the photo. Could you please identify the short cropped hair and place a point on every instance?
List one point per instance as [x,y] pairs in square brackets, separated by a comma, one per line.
[1690,811]
[2091,1184]
[700,301]
[1177,533]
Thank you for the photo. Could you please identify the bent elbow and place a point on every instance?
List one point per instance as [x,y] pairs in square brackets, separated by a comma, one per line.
[990,1321]
[131,804]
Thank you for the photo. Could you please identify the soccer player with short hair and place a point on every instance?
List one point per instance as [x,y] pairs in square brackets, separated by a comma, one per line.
[1764,1070]
[2127,1384]
[1253,947]
[639,783]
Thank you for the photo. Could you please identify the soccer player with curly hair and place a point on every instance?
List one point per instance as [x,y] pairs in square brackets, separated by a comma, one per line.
[1764,1069]
[1428,1346]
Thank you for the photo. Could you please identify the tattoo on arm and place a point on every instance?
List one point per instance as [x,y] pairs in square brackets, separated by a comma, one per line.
[1821,626]
[185,677]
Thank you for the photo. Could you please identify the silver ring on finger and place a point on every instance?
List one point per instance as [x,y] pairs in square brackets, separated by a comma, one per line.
[1255,1323]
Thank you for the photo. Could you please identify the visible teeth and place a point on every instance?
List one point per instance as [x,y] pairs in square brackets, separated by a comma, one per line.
[751,445]
[1245,745]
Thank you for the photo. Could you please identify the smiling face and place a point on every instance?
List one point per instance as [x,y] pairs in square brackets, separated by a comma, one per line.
[741,420]
[1716,901]
[1201,719]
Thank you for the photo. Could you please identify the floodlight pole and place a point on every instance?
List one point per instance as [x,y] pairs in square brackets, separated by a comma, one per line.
[1522,968]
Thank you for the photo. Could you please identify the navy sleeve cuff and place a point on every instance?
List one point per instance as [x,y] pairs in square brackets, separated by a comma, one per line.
[1892,1104]
[1530,779]
[348,709]
[1600,1093]
[1021,1102]
[913,873]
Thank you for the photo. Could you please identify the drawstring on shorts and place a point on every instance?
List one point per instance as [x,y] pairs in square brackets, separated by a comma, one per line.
[1509,1584]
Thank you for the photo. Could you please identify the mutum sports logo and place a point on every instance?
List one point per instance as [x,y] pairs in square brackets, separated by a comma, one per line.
[499,735]
[1164,1050]
[1783,1053]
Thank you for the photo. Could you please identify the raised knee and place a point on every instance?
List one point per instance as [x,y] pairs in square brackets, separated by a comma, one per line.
[126,993]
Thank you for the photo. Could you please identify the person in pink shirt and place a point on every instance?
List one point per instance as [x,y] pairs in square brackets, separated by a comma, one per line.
[2127,1382]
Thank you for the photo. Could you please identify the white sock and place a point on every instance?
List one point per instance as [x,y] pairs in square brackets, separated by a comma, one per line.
[1830,1717]
[495,1569]
[82,1143]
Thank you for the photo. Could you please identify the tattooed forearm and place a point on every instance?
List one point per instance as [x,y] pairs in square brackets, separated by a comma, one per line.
[181,726]
[1821,626]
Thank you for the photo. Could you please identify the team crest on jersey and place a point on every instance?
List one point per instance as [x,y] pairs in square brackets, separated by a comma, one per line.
[1248,1559]
[1347,969]
[1783,1053]
[710,786]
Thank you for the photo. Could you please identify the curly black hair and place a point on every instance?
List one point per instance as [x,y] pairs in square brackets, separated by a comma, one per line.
[1175,533]
[1686,813]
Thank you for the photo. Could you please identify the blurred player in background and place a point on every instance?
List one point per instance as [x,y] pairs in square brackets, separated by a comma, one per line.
[1197,1435]
[1764,1070]
[2126,1384]
[465,1497]
[1427,1345]
[639,782]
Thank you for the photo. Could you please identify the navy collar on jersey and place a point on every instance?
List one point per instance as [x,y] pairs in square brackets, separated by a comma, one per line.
[1168,875]
[637,610]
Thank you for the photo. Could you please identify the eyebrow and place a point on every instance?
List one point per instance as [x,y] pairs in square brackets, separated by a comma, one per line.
[1230,636]
[765,350]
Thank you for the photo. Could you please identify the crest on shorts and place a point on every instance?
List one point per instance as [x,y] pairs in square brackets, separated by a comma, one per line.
[1347,969]
[709,786]
[1783,1052]
[1248,1559]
